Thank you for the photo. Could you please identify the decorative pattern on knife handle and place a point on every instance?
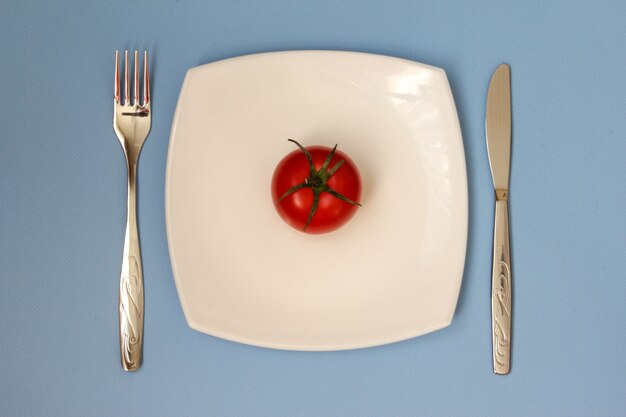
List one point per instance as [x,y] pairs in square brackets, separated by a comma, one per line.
[501,291]
[502,316]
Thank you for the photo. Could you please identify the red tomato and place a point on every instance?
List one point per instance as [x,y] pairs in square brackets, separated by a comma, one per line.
[295,185]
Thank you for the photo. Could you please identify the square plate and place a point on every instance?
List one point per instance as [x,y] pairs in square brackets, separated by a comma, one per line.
[392,273]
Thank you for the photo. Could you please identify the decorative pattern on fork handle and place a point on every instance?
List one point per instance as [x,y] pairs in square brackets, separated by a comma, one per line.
[131,314]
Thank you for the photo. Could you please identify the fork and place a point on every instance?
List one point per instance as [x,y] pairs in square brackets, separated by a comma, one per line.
[131,122]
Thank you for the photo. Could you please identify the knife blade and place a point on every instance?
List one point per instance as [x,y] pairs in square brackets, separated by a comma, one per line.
[498,133]
[498,126]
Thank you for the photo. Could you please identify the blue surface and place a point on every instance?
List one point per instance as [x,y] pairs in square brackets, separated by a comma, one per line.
[62,213]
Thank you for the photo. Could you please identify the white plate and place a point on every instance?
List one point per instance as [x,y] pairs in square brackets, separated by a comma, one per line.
[392,273]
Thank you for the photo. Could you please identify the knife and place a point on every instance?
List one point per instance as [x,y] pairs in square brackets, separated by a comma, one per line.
[498,132]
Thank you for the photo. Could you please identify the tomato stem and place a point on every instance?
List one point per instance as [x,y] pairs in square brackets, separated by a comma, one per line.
[317,181]
[294,189]
[316,200]
[336,167]
[309,158]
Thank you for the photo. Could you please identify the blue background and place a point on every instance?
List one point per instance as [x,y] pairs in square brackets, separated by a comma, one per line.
[63,196]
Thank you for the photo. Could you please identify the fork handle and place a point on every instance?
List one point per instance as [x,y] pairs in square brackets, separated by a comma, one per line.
[131,302]
[501,289]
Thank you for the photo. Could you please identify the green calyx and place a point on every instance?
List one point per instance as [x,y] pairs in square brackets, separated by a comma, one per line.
[317,181]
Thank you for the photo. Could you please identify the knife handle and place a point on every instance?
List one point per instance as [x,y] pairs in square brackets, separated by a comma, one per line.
[501,289]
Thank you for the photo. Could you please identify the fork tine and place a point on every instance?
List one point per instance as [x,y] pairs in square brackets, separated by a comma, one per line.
[126,83]
[117,77]
[146,80]
[136,81]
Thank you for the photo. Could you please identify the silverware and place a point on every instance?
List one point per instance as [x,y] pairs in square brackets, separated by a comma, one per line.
[131,122]
[498,132]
